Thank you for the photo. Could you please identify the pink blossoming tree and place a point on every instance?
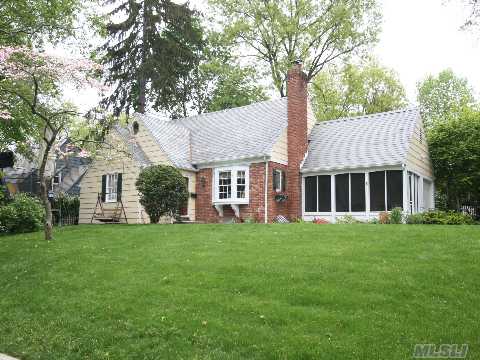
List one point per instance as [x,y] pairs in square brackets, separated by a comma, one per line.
[32,102]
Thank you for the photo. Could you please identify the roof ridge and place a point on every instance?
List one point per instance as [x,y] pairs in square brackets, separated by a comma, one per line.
[366,116]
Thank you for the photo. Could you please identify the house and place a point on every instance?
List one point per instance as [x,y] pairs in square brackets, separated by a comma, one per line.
[66,172]
[270,159]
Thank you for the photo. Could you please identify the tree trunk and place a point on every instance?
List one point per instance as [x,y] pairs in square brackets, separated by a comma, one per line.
[48,223]
[142,81]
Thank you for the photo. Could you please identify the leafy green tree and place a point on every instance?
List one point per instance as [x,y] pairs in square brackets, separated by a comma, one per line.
[218,82]
[163,191]
[455,152]
[443,96]
[277,32]
[23,22]
[356,90]
[148,52]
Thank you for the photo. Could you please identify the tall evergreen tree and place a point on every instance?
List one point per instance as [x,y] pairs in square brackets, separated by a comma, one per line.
[155,44]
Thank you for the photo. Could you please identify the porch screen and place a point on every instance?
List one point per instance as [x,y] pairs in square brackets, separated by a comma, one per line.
[357,182]
[324,193]
[341,193]
[377,191]
[311,194]
[394,189]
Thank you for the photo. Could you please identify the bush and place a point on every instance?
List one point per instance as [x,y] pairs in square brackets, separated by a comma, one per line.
[414,219]
[348,219]
[384,218]
[163,191]
[396,215]
[438,217]
[22,214]
[68,207]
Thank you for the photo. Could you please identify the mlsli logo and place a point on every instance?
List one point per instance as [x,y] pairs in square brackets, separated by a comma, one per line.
[442,351]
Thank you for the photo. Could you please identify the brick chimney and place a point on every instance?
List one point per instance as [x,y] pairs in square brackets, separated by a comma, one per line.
[296,136]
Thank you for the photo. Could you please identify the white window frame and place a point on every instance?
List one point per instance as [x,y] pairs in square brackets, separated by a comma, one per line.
[111,196]
[281,177]
[233,199]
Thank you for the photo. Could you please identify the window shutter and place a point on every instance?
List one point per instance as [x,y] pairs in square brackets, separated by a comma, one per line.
[284,181]
[119,186]
[104,187]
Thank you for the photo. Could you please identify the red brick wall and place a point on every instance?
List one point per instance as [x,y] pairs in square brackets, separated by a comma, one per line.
[205,212]
[296,137]
[275,208]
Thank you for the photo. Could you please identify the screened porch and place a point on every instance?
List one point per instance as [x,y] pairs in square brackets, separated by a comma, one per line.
[364,193]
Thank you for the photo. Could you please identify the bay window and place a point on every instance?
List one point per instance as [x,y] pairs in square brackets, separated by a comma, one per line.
[231,185]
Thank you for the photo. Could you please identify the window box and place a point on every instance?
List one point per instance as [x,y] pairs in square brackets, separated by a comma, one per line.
[281,197]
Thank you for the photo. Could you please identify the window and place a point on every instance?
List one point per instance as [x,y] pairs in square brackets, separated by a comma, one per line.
[57,179]
[341,193]
[231,184]
[377,191]
[350,192]
[111,187]
[279,180]
[324,193]
[357,192]
[241,184]
[311,194]
[394,189]
[318,193]
[225,185]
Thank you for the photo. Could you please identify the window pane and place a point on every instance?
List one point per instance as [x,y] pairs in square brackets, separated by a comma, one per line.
[357,189]
[394,189]
[224,185]
[324,193]
[341,192]
[377,191]
[311,194]
[241,184]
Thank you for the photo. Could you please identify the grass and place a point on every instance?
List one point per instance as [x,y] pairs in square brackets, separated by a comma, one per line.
[297,291]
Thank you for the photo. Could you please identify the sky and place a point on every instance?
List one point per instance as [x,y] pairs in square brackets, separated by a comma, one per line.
[419,37]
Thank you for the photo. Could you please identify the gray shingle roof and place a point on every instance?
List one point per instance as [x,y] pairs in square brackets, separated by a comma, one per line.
[138,154]
[173,138]
[361,142]
[240,133]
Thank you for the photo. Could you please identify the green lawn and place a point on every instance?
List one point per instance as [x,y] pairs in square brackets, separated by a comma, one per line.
[297,291]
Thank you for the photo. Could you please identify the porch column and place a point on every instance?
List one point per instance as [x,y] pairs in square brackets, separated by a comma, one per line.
[406,207]
[332,198]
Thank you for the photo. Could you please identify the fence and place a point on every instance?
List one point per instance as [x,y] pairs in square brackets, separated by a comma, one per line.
[65,210]
[472,208]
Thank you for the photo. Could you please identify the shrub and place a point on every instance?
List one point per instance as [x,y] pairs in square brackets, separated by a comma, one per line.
[163,191]
[69,208]
[414,219]
[384,218]
[396,215]
[23,213]
[320,221]
[438,217]
[348,219]
[446,218]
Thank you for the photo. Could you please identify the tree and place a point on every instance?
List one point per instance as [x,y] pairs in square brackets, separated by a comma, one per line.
[356,90]
[277,32]
[163,191]
[31,84]
[148,52]
[455,152]
[442,96]
[218,82]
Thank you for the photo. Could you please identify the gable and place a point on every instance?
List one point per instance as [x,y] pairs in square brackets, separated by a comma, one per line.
[150,146]
[418,157]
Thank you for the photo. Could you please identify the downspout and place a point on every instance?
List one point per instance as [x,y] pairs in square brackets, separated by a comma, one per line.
[266,191]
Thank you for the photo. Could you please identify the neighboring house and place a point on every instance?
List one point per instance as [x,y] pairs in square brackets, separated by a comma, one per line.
[66,173]
[269,159]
